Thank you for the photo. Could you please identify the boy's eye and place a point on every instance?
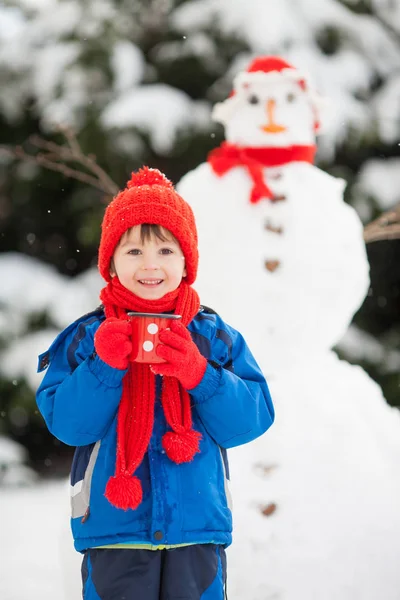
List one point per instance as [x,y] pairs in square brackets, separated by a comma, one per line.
[134,251]
[166,251]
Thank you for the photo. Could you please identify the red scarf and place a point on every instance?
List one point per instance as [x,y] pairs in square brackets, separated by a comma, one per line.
[136,409]
[227,156]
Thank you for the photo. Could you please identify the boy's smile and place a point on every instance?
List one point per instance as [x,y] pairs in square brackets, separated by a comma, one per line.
[149,268]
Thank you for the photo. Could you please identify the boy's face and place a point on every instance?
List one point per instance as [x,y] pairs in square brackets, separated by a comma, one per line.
[151,268]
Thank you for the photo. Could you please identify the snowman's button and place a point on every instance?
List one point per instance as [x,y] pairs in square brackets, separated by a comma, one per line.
[279,198]
[273,228]
[272,265]
[277,175]
[152,328]
[148,346]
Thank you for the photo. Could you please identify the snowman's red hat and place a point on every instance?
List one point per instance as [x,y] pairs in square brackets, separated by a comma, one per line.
[266,70]
[270,69]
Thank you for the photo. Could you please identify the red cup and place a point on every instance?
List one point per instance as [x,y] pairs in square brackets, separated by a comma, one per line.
[145,331]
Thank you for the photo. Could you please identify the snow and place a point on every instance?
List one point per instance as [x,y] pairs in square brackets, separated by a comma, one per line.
[80,295]
[196,44]
[330,468]
[386,108]
[127,62]
[10,23]
[194,15]
[29,283]
[381,180]
[159,110]
[55,20]
[30,522]
[32,289]
[50,69]
[389,11]
[11,452]
[359,346]
[13,472]
[20,361]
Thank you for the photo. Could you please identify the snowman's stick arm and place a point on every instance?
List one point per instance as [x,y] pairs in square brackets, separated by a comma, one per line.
[385,227]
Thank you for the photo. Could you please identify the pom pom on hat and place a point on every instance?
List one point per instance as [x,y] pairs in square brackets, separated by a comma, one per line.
[148,176]
[149,198]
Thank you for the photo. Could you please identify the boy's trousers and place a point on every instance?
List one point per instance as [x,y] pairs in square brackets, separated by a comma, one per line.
[195,572]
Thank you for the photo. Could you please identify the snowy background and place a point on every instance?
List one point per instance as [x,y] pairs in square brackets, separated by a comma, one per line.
[108,72]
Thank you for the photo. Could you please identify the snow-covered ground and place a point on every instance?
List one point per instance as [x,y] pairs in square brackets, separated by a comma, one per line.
[31,525]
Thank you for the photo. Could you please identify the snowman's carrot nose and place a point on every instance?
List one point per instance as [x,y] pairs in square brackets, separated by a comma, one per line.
[271,126]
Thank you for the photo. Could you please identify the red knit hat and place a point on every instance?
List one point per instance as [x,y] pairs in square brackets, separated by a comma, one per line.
[149,198]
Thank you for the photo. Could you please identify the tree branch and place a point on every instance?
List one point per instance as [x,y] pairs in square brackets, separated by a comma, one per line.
[385,227]
[56,158]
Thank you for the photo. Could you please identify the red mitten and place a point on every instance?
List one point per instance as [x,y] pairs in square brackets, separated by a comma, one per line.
[184,360]
[113,342]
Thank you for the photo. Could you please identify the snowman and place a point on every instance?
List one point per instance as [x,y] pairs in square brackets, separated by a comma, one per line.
[281,253]
[316,500]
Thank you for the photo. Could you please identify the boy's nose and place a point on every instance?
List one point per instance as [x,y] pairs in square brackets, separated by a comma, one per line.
[150,263]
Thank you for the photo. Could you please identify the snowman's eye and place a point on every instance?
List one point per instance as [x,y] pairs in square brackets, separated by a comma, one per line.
[291,97]
[253,99]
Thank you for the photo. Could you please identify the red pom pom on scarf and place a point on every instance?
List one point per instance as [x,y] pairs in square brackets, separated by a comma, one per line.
[181,447]
[124,491]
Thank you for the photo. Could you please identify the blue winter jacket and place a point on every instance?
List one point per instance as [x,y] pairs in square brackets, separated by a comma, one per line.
[187,503]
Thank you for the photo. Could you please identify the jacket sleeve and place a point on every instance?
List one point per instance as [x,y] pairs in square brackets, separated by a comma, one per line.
[79,394]
[235,405]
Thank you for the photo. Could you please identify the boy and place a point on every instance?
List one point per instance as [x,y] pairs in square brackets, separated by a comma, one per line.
[150,508]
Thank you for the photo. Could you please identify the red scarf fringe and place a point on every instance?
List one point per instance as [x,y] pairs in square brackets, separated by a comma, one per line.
[136,409]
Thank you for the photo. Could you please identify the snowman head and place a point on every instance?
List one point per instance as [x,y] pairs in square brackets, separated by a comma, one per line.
[271,105]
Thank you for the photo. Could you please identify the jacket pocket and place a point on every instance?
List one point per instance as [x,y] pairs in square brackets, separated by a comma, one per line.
[81,478]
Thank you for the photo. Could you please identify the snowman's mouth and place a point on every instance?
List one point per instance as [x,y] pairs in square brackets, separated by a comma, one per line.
[273,128]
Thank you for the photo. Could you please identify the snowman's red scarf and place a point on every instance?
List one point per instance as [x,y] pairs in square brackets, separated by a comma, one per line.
[136,409]
[228,156]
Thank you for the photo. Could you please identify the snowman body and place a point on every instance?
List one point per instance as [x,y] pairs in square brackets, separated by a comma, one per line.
[289,273]
[316,498]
